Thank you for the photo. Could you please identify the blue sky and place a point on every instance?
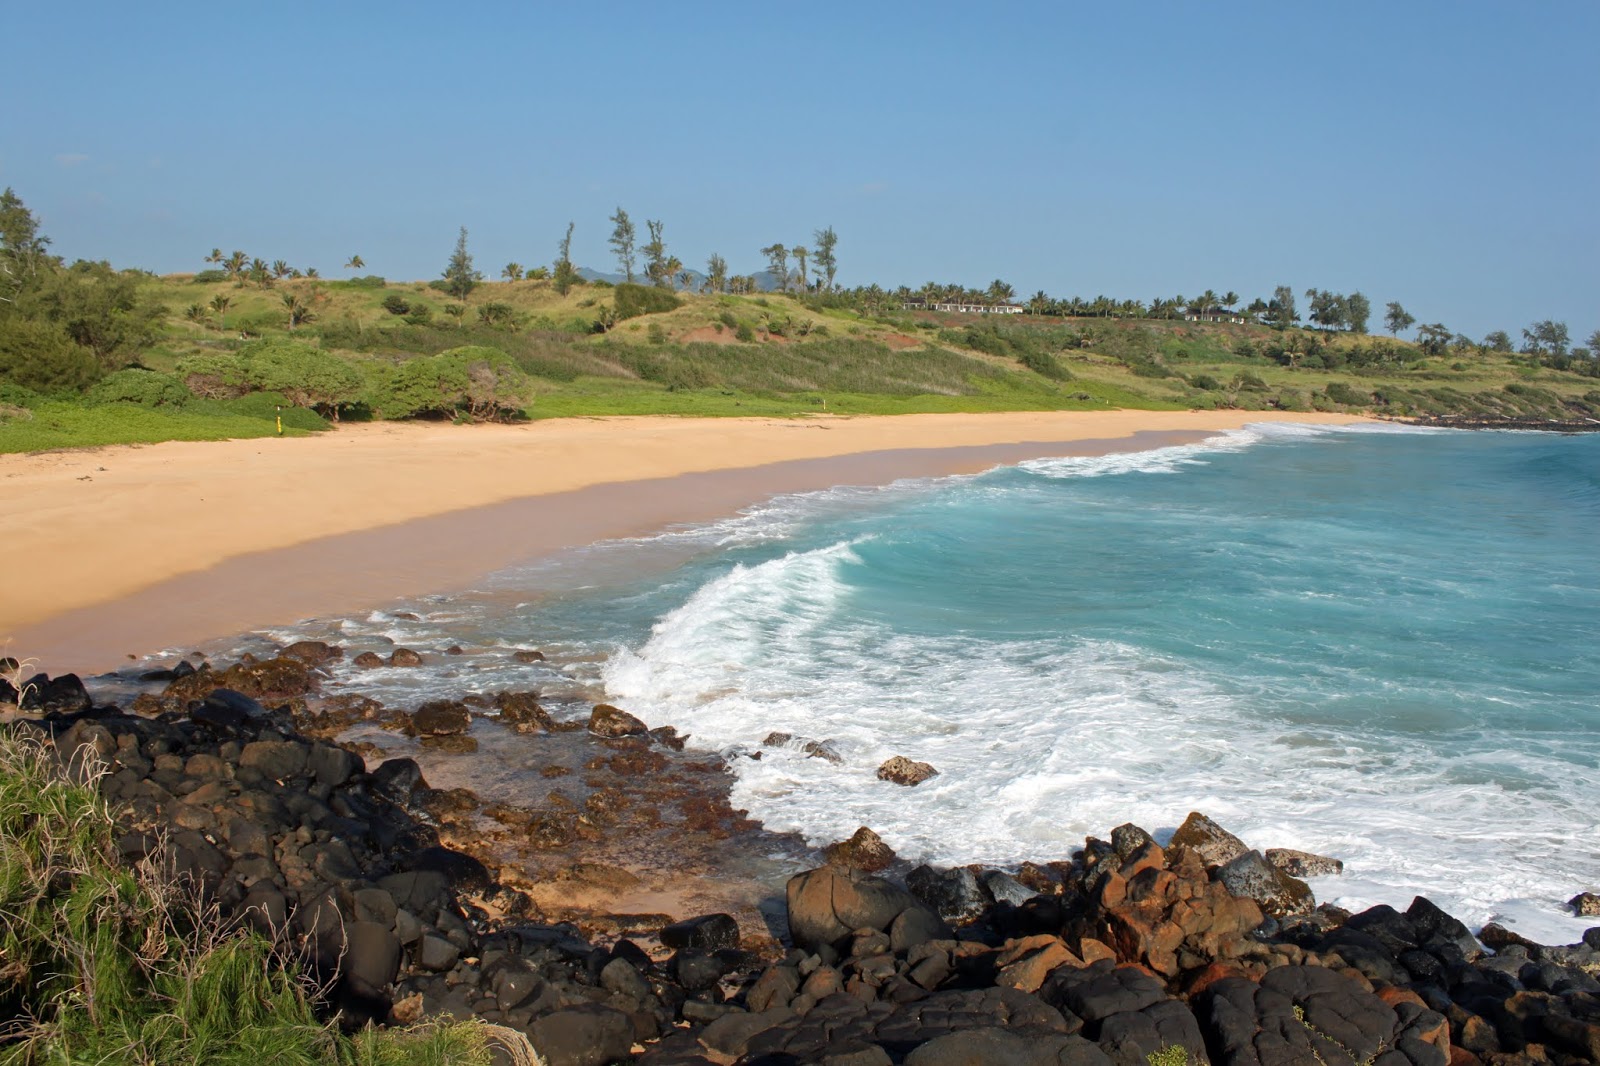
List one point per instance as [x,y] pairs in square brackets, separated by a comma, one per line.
[1444,154]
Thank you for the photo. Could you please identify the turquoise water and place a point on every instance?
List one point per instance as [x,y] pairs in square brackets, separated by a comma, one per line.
[1377,645]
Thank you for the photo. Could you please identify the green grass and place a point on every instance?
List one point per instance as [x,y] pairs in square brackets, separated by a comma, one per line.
[102,963]
[69,425]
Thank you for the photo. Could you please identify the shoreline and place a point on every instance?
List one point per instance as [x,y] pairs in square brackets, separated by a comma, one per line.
[134,550]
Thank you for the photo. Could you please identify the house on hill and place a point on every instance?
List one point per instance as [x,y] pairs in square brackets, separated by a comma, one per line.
[1233,317]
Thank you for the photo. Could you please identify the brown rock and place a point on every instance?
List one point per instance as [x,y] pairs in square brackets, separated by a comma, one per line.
[521,711]
[1303,863]
[528,656]
[440,718]
[1025,964]
[312,652]
[608,721]
[1585,905]
[368,660]
[863,851]
[1214,844]
[903,771]
[404,657]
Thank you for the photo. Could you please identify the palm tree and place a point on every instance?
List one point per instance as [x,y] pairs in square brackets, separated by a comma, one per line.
[219,304]
[259,273]
[354,263]
[1230,299]
[280,269]
[299,310]
[1000,292]
[195,313]
[800,252]
[235,266]
[311,272]
[512,272]
[215,256]
[456,311]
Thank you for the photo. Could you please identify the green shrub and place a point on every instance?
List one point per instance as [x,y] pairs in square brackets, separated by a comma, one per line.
[1341,393]
[213,375]
[396,304]
[1206,382]
[270,406]
[147,388]
[210,277]
[309,377]
[43,358]
[473,381]
[744,334]
[1045,365]
[727,319]
[635,300]
[656,333]
[367,281]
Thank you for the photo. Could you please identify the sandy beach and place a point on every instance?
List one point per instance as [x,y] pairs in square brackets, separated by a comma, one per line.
[196,540]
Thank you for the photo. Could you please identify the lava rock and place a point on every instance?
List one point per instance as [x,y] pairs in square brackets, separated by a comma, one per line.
[404,657]
[367,660]
[827,905]
[865,850]
[1250,876]
[608,721]
[954,894]
[1214,844]
[441,718]
[1585,905]
[1303,863]
[312,652]
[705,933]
[589,1035]
[903,771]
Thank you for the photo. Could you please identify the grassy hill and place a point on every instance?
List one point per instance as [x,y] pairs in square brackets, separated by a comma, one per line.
[588,353]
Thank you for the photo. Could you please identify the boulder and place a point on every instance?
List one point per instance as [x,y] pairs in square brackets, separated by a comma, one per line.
[608,721]
[312,652]
[903,771]
[954,894]
[521,711]
[816,749]
[1251,876]
[55,695]
[441,718]
[827,905]
[705,933]
[1585,905]
[276,760]
[1214,844]
[528,655]
[371,959]
[404,657]
[863,851]
[367,660]
[1303,863]
[588,1035]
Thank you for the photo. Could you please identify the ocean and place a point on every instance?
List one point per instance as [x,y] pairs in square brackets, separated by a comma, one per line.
[1373,643]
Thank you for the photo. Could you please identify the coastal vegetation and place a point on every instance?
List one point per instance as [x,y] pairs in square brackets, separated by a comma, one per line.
[108,960]
[91,354]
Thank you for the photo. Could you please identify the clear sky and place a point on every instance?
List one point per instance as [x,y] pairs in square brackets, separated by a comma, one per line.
[1445,154]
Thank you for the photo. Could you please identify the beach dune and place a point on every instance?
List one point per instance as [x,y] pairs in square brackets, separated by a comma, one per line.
[120,551]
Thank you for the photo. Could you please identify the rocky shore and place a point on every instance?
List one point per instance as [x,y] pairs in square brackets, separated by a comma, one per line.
[411,899]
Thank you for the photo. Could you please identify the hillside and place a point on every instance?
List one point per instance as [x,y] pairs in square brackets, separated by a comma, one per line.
[520,348]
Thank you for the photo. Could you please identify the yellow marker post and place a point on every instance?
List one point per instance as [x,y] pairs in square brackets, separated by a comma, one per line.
[280,421]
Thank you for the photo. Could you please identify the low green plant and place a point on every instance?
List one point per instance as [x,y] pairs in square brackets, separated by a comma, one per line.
[106,962]
[1171,1055]
[147,388]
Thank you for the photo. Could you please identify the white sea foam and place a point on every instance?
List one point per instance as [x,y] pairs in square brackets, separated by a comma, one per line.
[1039,743]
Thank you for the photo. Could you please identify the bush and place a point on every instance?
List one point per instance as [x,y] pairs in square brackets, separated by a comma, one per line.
[421,315]
[1206,382]
[635,300]
[744,334]
[657,334]
[476,381]
[213,376]
[396,304]
[143,387]
[1045,365]
[210,277]
[1343,394]
[43,358]
[309,377]
[270,406]
[367,281]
